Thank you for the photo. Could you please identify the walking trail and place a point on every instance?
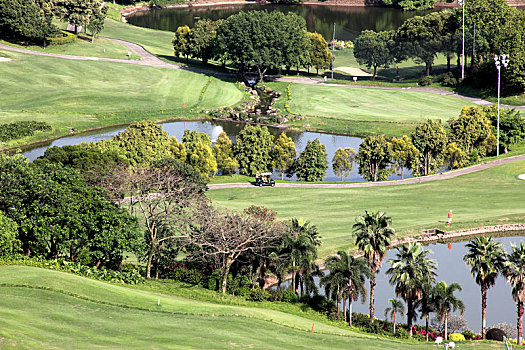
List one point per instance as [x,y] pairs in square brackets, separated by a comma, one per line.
[441,176]
[149,59]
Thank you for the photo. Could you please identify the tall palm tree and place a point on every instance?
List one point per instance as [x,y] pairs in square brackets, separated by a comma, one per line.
[515,273]
[426,305]
[352,272]
[373,235]
[486,259]
[334,283]
[409,271]
[396,306]
[446,302]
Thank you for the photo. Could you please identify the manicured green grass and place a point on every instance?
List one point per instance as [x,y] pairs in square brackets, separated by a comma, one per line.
[90,94]
[492,196]
[101,47]
[158,42]
[48,309]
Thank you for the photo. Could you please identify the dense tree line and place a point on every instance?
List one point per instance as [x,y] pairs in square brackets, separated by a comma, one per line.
[255,42]
[498,30]
[32,20]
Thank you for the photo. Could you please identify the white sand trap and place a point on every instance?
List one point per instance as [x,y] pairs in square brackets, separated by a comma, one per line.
[356,72]
[521,177]
[4,59]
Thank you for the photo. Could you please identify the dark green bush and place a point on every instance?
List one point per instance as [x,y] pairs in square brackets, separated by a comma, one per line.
[289,296]
[425,81]
[259,294]
[62,38]
[468,334]
[191,276]
[17,130]
[360,320]
[448,79]
[240,285]
[375,327]
[402,333]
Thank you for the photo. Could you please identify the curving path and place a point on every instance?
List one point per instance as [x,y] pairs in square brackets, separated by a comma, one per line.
[442,176]
[149,59]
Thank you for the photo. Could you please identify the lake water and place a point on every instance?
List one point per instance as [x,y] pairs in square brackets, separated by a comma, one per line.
[350,21]
[451,268]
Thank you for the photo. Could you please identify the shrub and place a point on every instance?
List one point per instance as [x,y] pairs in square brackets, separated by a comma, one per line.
[448,79]
[191,276]
[456,337]
[17,130]
[240,285]
[259,294]
[289,296]
[62,38]
[419,337]
[468,334]
[360,320]
[375,327]
[425,81]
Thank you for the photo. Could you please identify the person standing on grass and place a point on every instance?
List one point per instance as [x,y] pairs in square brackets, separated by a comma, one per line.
[449,217]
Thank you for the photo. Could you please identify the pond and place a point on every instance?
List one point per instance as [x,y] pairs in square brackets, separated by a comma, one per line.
[350,21]
[451,268]
[213,129]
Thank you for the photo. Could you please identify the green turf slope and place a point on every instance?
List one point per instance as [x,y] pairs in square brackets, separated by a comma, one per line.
[492,196]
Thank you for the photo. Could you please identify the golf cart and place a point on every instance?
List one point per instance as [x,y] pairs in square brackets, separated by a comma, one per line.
[264,179]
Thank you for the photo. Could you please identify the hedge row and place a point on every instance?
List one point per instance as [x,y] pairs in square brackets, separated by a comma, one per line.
[17,130]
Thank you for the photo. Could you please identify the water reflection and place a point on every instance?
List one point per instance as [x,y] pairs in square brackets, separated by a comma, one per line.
[350,21]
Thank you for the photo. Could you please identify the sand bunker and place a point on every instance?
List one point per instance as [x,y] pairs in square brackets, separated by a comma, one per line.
[4,59]
[521,177]
[356,72]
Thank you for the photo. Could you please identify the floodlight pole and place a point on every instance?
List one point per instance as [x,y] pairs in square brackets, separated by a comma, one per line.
[333,47]
[499,60]
[462,4]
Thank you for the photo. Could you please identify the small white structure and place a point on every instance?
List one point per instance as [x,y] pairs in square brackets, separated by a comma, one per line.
[355,79]
[438,341]
[451,345]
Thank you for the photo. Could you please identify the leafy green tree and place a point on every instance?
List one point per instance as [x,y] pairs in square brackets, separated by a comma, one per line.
[319,55]
[97,18]
[76,12]
[374,157]
[178,150]
[372,49]
[396,306]
[60,216]
[295,42]
[141,143]
[373,235]
[180,42]
[430,139]
[352,272]
[470,129]
[203,160]
[486,259]
[312,162]
[223,150]
[446,302]
[283,155]
[421,38]
[201,39]
[256,39]
[253,150]
[27,19]
[515,273]
[511,126]
[410,5]
[409,271]
[455,156]
[404,154]
[343,161]
[9,242]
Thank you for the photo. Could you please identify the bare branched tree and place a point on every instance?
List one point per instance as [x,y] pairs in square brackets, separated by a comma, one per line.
[225,236]
[163,196]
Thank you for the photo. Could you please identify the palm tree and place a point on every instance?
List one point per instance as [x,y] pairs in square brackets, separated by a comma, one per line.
[486,259]
[351,272]
[373,235]
[409,271]
[396,306]
[426,305]
[515,273]
[446,302]
[333,283]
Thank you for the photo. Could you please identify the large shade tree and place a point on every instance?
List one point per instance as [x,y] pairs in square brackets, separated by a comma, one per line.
[372,49]
[253,150]
[374,157]
[409,271]
[486,259]
[373,235]
[430,139]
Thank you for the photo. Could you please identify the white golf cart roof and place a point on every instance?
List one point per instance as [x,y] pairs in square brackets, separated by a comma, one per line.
[266,174]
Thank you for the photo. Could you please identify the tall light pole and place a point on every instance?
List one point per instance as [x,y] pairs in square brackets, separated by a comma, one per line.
[462,4]
[499,60]
[333,47]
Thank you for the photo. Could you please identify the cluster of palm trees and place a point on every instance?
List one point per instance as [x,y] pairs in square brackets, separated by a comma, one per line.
[413,274]
[487,259]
